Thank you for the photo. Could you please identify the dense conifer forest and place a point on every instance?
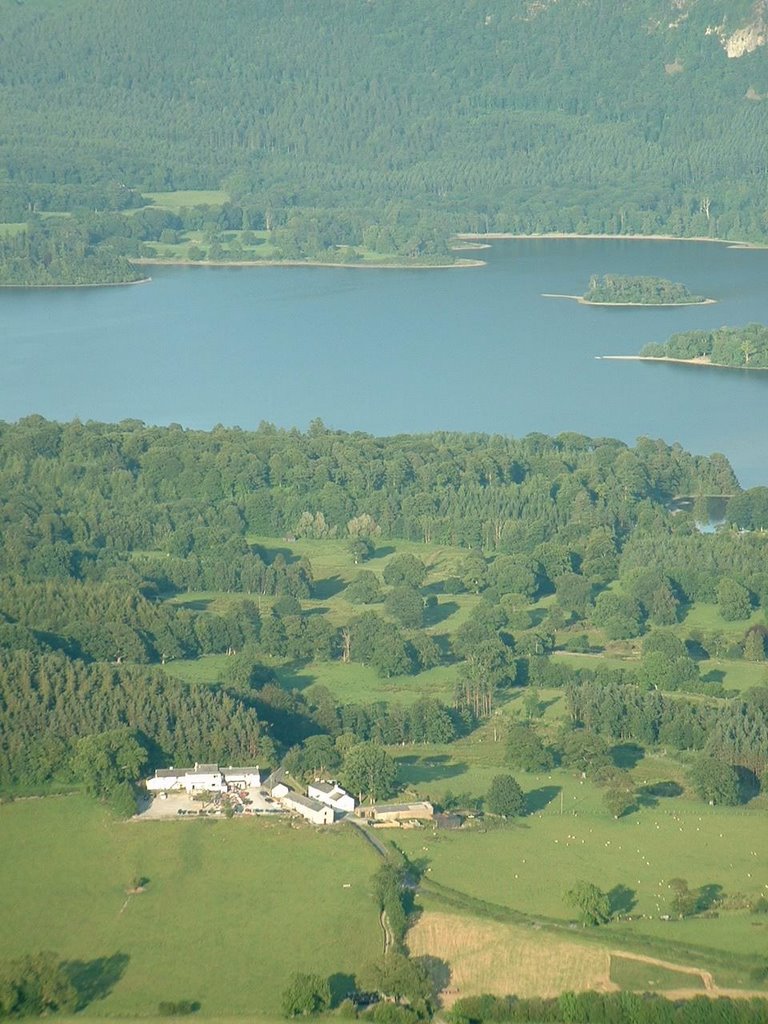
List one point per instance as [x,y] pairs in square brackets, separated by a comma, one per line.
[379,125]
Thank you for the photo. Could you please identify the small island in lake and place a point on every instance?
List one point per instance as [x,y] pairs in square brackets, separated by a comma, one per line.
[744,348]
[621,290]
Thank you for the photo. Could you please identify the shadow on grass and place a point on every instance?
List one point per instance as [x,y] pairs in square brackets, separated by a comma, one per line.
[342,987]
[308,613]
[324,590]
[382,552]
[540,798]
[201,604]
[622,900]
[648,796]
[627,755]
[293,678]
[427,771]
[439,613]
[715,675]
[268,555]
[95,979]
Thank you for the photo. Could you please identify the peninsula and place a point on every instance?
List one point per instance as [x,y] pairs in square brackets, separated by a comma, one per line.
[744,348]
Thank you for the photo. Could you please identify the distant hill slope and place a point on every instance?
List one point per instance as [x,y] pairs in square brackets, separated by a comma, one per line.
[574,115]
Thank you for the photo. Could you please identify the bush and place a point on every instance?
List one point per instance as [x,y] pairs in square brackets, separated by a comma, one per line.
[181,1008]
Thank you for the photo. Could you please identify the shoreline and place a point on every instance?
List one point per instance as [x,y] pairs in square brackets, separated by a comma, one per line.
[629,305]
[95,284]
[697,361]
[732,243]
[157,262]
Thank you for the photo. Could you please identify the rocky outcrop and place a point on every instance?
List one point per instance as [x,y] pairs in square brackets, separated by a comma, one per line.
[747,38]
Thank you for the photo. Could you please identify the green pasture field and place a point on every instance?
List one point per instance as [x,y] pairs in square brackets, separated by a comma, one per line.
[707,618]
[469,764]
[636,976]
[203,671]
[231,908]
[528,864]
[732,675]
[9,230]
[360,684]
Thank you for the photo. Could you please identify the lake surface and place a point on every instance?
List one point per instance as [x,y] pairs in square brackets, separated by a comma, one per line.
[389,351]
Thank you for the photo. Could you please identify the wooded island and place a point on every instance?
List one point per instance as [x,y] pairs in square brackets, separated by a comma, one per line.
[623,290]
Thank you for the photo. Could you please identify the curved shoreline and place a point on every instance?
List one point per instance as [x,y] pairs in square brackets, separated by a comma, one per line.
[697,361]
[634,305]
[157,262]
[732,243]
[94,284]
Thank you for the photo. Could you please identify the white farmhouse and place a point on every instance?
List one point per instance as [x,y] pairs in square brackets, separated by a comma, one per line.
[203,778]
[242,778]
[332,794]
[312,810]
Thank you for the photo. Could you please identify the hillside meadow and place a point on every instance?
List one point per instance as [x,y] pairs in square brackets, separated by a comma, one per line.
[231,908]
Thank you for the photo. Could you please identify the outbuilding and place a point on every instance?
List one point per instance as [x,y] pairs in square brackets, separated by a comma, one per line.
[312,810]
[421,810]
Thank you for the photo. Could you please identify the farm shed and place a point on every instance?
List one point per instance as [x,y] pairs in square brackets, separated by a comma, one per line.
[421,810]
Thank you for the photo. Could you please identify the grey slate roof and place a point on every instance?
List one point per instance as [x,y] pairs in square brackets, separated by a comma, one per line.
[305,801]
[325,787]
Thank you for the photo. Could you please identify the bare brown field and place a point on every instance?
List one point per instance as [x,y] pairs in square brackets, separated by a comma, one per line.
[485,956]
[501,959]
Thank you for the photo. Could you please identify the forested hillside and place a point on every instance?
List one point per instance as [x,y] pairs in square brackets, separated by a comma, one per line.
[405,121]
[103,526]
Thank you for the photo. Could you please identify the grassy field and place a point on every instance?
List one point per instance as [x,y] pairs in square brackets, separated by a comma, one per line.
[230,909]
[570,836]
[637,976]
[9,230]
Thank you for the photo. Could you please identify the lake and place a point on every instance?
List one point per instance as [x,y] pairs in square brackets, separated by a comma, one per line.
[392,351]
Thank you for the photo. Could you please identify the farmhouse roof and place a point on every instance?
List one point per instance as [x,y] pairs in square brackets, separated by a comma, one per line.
[326,787]
[305,801]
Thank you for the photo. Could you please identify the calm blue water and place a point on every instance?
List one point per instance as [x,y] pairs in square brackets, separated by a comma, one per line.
[399,351]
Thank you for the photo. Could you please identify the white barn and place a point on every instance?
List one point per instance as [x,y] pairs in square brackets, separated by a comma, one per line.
[242,778]
[332,794]
[312,810]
